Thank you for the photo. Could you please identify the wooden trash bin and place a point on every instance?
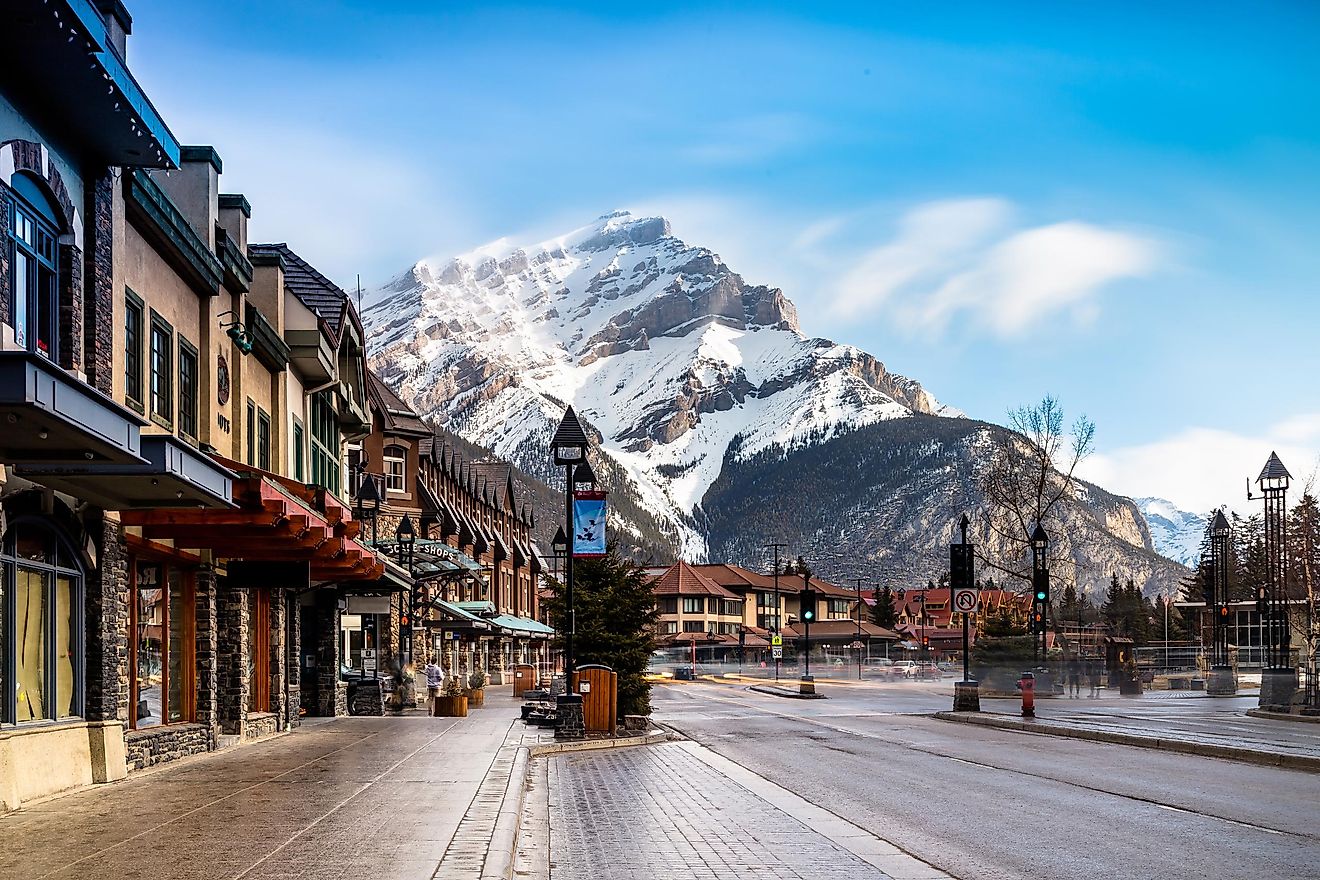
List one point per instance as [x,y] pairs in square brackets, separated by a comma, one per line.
[524,678]
[599,688]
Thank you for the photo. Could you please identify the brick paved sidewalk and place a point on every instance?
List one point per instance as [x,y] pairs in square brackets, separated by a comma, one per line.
[663,813]
[347,798]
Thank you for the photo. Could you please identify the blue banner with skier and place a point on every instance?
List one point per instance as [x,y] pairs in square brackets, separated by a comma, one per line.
[588,524]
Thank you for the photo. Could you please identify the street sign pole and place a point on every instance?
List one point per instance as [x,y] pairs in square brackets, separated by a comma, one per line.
[962,579]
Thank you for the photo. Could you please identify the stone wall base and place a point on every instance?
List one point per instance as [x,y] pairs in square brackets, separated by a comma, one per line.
[158,745]
[259,724]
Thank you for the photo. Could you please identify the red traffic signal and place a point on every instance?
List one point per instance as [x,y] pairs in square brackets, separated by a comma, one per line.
[403,620]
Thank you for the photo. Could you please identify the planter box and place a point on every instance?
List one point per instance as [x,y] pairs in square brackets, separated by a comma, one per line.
[1129,687]
[451,707]
[476,697]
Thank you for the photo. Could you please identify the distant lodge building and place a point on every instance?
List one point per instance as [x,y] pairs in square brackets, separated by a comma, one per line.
[709,612]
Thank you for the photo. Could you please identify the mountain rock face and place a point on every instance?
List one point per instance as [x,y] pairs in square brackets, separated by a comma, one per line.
[1174,533]
[704,396]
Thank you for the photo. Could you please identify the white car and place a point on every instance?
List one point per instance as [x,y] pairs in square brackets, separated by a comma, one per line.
[905,669]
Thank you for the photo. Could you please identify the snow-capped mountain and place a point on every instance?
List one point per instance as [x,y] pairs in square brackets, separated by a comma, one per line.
[659,346]
[719,424]
[1175,533]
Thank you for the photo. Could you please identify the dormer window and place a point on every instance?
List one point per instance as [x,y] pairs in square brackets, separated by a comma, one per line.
[395,459]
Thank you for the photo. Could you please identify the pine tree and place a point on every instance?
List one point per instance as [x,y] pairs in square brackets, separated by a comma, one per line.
[616,615]
[1112,609]
[885,612]
[1068,605]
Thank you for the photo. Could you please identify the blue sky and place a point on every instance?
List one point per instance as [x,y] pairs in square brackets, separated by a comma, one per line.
[1119,205]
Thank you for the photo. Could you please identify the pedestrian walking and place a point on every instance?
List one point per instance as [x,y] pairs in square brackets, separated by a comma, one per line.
[1074,678]
[1093,670]
[435,679]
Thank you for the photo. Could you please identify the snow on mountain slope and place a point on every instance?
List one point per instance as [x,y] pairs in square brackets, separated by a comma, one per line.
[659,346]
[1176,534]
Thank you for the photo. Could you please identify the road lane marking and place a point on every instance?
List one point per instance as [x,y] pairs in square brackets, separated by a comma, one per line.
[918,747]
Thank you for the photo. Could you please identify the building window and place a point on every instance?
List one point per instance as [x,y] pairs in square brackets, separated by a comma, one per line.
[396,458]
[840,608]
[668,627]
[693,605]
[162,370]
[263,439]
[325,442]
[250,428]
[712,605]
[668,605]
[162,644]
[694,626]
[732,607]
[34,287]
[42,593]
[133,349]
[187,389]
[298,454]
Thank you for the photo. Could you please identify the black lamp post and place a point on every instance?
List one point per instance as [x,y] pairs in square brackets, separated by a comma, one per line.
[568,447]
[857,582]
[1278,679]
[1040,585]
[1221,681]
[560,547]
[405,537]
[368,503]
[774,620]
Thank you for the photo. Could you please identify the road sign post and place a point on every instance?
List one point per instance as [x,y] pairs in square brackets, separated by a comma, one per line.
[962,580]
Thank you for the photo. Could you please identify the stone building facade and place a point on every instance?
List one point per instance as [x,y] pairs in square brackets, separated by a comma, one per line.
[179,406]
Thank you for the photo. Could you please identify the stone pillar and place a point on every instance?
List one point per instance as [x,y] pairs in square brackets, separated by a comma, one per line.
[331,697]
[1277,687]
[71,307]
[966,696]
[293,659]
[4,256]
[570,722]
[1221,682]
[278,658]
[231,658]
[107,598]
[207,649]
[98,306]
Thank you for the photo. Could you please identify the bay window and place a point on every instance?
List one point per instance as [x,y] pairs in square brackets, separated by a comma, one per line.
[34,275]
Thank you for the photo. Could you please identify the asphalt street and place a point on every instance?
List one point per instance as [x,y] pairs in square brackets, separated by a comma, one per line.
[998,804]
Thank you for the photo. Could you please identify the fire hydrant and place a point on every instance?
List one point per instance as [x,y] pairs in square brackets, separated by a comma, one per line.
[1027,684]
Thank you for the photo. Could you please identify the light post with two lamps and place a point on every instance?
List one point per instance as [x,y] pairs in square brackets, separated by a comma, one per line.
[568,448]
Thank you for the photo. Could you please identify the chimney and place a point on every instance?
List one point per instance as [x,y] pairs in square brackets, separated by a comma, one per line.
[235,212]
[195,190]
[118,25]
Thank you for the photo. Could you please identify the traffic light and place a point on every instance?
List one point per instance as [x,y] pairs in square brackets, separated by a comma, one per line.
[1040,581]
[1262,603]
[807,605]
[961,570]
[1223,613]
[1038,621]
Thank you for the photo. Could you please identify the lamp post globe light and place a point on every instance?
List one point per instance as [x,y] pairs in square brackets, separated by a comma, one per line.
[368,503]
[568,448]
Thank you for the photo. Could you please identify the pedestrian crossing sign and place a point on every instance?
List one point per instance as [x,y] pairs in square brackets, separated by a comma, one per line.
[777,641]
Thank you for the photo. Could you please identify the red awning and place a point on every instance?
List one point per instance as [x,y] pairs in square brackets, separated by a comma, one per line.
[278,519]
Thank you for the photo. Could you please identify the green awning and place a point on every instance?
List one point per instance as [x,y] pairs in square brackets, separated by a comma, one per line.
[460,616]
[524,627]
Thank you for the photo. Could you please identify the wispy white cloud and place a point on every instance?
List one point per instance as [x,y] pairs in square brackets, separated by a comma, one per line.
[750,138]
[964,258]
[1201,468]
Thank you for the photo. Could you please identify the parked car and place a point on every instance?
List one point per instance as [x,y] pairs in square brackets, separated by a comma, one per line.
[928,671]
[905,669]
[879,667]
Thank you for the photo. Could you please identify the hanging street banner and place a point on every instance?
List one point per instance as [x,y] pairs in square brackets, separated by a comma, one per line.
[588,524]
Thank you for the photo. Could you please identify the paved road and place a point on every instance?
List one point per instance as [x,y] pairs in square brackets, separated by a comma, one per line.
[987,803]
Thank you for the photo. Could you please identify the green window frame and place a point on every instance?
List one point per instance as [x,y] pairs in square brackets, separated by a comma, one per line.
[325,442]
[134,314]
[162,370]
[250,430]
[263,439]
[299,456]
[188,368]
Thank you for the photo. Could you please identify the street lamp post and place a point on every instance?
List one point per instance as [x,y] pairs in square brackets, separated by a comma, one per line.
[1040,584]
[1221,682]
[775,619]
[560,547]
[405,537]
[368,503]
[569,449]
[1278,680]
[858,586]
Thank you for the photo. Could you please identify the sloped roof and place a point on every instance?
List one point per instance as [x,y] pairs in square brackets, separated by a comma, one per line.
[325,298]
[681,579]
[1274,469]
[737,577]
[396,416]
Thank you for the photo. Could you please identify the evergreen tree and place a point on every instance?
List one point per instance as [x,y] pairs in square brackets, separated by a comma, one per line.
[885,612]
[616,615]
[1069,605]
[1112,609]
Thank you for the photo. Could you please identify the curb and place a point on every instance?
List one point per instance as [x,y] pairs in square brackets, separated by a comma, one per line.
[1231,753]
[1283,716]
[788,695]
[504,839]
[592,745]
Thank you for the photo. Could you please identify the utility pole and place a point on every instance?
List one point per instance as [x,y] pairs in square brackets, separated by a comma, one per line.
[858,584]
